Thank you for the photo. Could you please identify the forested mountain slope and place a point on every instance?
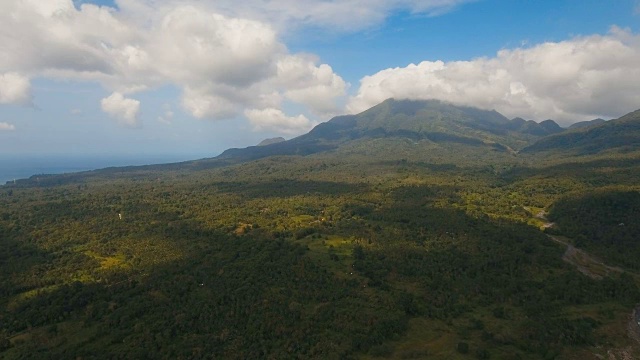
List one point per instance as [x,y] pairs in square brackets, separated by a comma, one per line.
[428,120]
[606,222]
[621,134]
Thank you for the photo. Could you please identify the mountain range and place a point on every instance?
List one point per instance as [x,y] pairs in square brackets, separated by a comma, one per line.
[622,134]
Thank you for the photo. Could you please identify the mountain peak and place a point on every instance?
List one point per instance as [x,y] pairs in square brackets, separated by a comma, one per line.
[589,123]
[551,126]
[270,141]
[434,121]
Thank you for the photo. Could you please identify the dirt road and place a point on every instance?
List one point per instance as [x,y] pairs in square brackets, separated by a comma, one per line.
[584,262]
[596,269]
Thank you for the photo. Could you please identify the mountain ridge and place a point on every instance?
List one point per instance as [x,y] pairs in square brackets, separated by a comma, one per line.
[270,141]
[620,134]
[430,120]
[587,123]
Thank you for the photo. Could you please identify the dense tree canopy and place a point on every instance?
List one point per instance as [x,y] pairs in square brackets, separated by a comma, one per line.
[323,256]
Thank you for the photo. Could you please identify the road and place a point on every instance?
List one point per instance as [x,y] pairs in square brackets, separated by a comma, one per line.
[596,269]
[584,262]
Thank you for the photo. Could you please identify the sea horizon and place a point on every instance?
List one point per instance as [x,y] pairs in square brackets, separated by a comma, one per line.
[15,167]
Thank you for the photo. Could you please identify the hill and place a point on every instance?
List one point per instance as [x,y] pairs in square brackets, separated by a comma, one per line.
[621,134]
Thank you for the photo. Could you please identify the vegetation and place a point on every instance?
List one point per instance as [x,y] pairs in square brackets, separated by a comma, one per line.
[604,222]
[381,247]
[622,134]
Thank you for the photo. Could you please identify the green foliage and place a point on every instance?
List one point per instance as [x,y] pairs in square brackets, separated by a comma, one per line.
[605,222]
[621,134]
[331,255]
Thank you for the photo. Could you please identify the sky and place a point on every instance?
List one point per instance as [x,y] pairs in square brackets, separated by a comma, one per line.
[195,77]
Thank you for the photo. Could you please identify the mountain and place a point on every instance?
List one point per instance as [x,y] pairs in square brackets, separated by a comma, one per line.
[550,127]
[432,121]
[531,127]
[589,123]
[620,134]
[270,141]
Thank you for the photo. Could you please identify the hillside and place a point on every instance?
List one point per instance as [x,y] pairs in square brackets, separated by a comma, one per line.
[428,120]
[604,222]
[621,135]
[583,124]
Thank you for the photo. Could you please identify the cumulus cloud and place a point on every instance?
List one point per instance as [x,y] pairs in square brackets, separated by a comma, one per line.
[314,86]
[223,61]
[124,109]
[202,103]
[6,126]
[578,79]
[277,121]
[14,89]
[228,56]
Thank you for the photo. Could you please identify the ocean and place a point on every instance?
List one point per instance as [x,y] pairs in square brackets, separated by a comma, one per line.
[22,167]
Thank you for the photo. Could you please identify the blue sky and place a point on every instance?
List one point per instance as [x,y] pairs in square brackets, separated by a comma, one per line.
[194,77]
[474,30]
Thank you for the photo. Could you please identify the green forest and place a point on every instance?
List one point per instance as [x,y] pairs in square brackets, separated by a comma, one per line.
[385,247]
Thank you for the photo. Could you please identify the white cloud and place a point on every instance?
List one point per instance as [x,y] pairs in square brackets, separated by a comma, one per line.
[583,78]
[167,116]
[14,89]
[205,103]
[223,50]
[221,60]
[6,126]
[344,15]
[277,121]
[227,56]
[306,83]
[124,109]
[75,111]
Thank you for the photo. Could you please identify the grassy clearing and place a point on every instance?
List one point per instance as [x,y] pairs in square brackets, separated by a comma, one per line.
[108,262]
[332,251]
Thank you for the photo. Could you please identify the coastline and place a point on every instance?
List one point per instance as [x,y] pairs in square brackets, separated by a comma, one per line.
[24,166]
